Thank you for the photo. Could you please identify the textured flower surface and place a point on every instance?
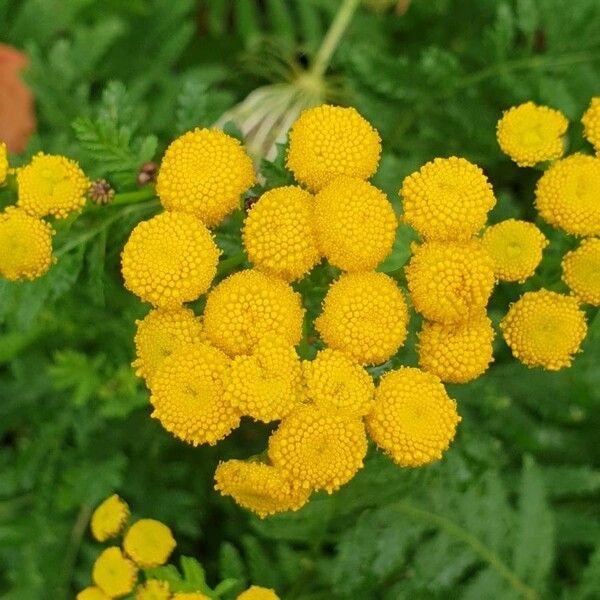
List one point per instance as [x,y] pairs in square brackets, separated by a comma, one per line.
[328,141]
[544,329]
[109,518]
[413,420]
[581,271]
[447,199]
[591,123]
[114,573]
[149,543]
[3,162]
[256,592]
[204,172]
[153,589]
[169,259]
[92,593]
[355,224]
[190,596]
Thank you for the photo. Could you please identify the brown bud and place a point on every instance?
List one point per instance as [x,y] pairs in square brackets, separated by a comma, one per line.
[101,192]
[147,173]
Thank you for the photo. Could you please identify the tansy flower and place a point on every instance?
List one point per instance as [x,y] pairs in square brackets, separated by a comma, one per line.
[450,281]
[328,141]
[190,596]
[92,593]
[319,448]
[109,518]
[51,185]
[279,233]
[515,247]
[169,259]
[581,271]
[365,316]
[447,199]
[187,395]
[259,487]
[204,172]
[3,162]
[544,329]
[113,573]
[568,195]
[25,245]
[458,352]
[153,589]
[591,123]
[256,592]
[248,305]
[355,224]
[413,419]
[149,543]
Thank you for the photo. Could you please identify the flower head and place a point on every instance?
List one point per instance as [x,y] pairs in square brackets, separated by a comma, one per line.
[190,596]
[114,573]
[109,518]
[153,589]
[3,162]
[92,593]
[256,592]
[149,543]
[591,123]
[581,271]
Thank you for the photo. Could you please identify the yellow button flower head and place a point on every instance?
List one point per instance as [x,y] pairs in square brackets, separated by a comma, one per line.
[279,233]
[458,352]
[544,329]
[169,259]
[450,281]
[447,199]
[258,593]
[258,487]
[515,247]
[319,448]
[581,271]
[92,593]
[149,543]
[414,420]
[190,596]
[249,305]
[568,195]
[187,395]
[530,134]
[334,381]
[153,589]
[328,141]
[114,573]
[591,123]
[355,224]
[268,384]
[365,316]
[3,162]
[204,172]
[51,185]
[109,518]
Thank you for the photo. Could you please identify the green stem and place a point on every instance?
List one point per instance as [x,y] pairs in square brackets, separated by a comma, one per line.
[228,264]
[132,197]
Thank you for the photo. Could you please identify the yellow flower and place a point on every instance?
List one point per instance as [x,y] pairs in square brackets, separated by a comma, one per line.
[544,329]
[25,245]
[450,281]
[591,123]
[149,543]
[530,134]
[568,195]
[113,573]
[319,448]
[3,162]
[169,259]
[279,233]
[413,420]
[153,589]
[365,316]
[109,518]
[515,247]
[328,141]
[335,382]
[190,596]
[581,271]
[256,592]
[447,199]
[355,224]
[187,395]
[51,185]
[248,305]
[92,593]
[259,487]
[458,352]
[268,384]
[204,172]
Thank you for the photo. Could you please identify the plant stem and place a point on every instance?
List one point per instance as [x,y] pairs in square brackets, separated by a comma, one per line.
[132,197]
[225,266]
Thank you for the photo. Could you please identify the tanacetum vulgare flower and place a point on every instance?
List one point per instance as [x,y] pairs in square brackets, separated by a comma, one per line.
[153,589]
[319,448]
[365,316]
[249,305]
[457,352]
[3,162]
[92,593]
[114,573]
[190,596]
[204,172]
[591,123]
[169,259]
[25,245]
[544,329]
[355,224]
[413,419]
[450,281]
[109,518]
[328,141]
[581,271]
[515,247]
[149,543]
[259,487]
[51,185]
[447,199]
[256,592]
[279,233]
[568,195]
[187,395]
